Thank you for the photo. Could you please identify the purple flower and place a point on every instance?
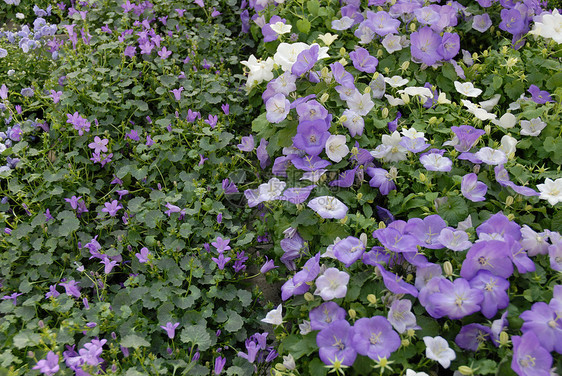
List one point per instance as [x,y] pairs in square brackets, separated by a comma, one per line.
[221,244]
[48,366]
[268,265]
[450,46]
[174,209]
[466,137]
[335,343]
[109,264]
[424,45]
[512,21]
[99,145]
[381,179]
[326,313]
[164,53]
[539,96]
[55,95]
[471,336]
[221,260]
[246,144]
[481,22]
[219,361]
[277,107]
[395,240]
[395,283]
[112,208]
[456,299]
[349,250]
[229,187]
[473,189]
[494,289]
[456,240]
[143,255]
[262,154]
[529,357]
[363,61]
[297,195]
[342,76]
[71,288]
[305,60]
[225,108]
[382,23]
[177,93]
[491,255]
[401,316]
[52,292]
[545,323]
[375,337]
[12,297]
[170,329]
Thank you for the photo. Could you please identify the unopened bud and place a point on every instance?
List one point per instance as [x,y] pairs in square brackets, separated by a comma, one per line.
[372,298]
[375,75]
[343,62]
[487,129]
[343,220]
[504,50]
[432,120]
[511,216]
[405,342]
[352,313]
[405,97]
[466,370]
[308,297]
[422,177]
[476,169]
[382,225]
[363,238]
[528,207]
[280,367]
[380,53]
[409,278]
[343,119]
[504,338]
[448,268]
[325,72]
[384,112]
[325,97]
[359,196]
[410,333]
[405,65]
[343,52]
[413,26]
[485,53]
[509,201]
[367,90]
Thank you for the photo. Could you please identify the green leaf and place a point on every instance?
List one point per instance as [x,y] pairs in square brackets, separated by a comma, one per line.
[26,338]
[197,335]
[68,226]
[303,25]
[234,322]
[299,346]
[134,341]
[454,210]
[245,297]
[260,123]
[313,7]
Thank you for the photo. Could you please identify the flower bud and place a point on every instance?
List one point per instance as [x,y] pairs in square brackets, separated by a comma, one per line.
[352,313]
[405,97]
[384,113]
[405,342]
[359,196]
[343,220]
[367,90]
[280,367]
[343,62]
[476,169]
[412,27]
[411,333]
[372,298]
[511,216]
[363,238]
[487,129]
[379,53]
[343,119]
[485,53]
[422,177]
[466,370]
[382,225]
[325,97]
[308,297]
[504,338]
[509,201]
[343,52]
[448,268]
[409,277]
[528,207]
[405,65]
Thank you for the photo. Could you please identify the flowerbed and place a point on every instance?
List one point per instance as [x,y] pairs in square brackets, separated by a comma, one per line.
[394,167]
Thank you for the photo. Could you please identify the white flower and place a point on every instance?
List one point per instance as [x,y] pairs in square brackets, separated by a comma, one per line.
[332,284]
[396,81]
[396,152]
[437,348]
[467,89]
[336,148]
[360,103]
[423,92]
[436,162]
[260,70]
[20,16]
[480,113]
[532,128]
[275,316]
[508,120]
[289,362]
[305,327]
[328,207]
[354,122]
[277,108]
[508,145]
[490,103]
[413,133]
[327,38]
[410,372]
[287,54]
[549,26]
[442,99]
[2,147]
[491,156]
[551,191]
[280,28]
[342,24]
[392,43]
[313,176]
[271,190]
[394,101]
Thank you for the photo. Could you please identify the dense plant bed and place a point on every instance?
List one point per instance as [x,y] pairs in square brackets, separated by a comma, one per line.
[299,187]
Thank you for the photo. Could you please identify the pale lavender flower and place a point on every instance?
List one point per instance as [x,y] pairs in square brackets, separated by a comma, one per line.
[455,240]
[401,316]
[170,329]
[332,284]
[472,189]
[112,208]
[375,338]
[328,207]
[48,366]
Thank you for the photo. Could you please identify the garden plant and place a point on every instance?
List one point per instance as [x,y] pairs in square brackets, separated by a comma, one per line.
[298,187]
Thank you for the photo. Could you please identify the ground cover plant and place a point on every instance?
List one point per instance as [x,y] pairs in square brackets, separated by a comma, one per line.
[298,187]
